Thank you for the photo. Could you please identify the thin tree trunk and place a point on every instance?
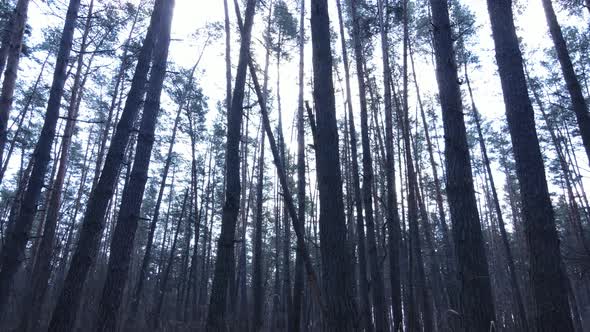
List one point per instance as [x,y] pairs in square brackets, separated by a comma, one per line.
[42,266]
[216,318]
[363,291]
[522,320]
[21,120]
[573,85]
[378,290]
[258,260]
[393,222]
[16,241]
[298,290]
[17,30]
[447,246]
[161,291]
[137,291]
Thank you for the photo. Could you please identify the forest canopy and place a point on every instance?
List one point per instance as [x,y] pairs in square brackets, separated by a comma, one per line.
[294,165]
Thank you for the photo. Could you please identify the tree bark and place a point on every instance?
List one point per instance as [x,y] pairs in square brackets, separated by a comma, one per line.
[118,86]
[377,291]
[298,290]
[548,279]
[476,306]
[363,291]
[522,319]
[337,269]
[129,212]
[64,314]
[42,268]
[225,249]
[393,222]
[16,241]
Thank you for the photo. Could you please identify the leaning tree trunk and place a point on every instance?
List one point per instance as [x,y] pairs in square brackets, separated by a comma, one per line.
[288,198]
[22,116]
[16,32]
[548,278]
[522,321]
[573,85]
[16,241]
[364,290]
[393,223]
[137,291]
[418,296]
[378,291]
[337,267]
[64,314]
[42,265]
[161,290]
[130,209]
[216,318]
[476,304]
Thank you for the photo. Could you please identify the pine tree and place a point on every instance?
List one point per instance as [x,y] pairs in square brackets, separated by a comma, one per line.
[476,307]
[337,271]
[552,310]
[18,237]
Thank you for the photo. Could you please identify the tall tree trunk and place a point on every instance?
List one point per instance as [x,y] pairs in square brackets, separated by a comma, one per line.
[476,306]
[137,291]
[258,262]
[17,30]
[417,288]
[393,223]
[364,290]
[337,268]
[298,295]
[17,239]
[228,91]
[548,278]
[258,259]
[573,85]
[225,249]
[129,212]
[286,272]
[288,198]
[42,265]
[64,314]
[378,290]
[522,320]
[451,282]
[191,307]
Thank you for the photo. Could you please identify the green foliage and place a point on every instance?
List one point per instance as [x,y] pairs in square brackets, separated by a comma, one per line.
[464,31]
[284,28]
